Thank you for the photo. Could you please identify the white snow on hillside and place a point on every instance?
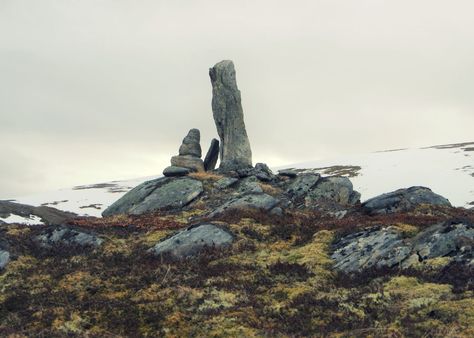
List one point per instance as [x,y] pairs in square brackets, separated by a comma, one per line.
[31,220]
[448,170]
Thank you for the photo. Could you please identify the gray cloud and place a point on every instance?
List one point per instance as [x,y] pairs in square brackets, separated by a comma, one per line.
[101,90]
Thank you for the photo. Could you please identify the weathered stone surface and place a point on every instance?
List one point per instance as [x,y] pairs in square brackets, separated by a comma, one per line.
[173,171]
[161,193]
[67,237]
[302,185]
[235,149]
[4,258]
[212,155]
[386,247]
[336,189]
[262,202]
[187,161]
[263,172]
[48,215]
[249,185]
[403,200]
[191,145]
[225,182]
[288,173]
[191,241]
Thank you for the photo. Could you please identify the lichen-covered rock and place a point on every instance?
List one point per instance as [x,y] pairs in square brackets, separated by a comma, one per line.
[403,200]
[225,182]
[67,237]
[173,171]
[4,258]
[302,185]
[387,248]
[212,155]
[161,193]
[229,118]
[261,201]
[249,185]
[191,241]
[191,145]
[336,189]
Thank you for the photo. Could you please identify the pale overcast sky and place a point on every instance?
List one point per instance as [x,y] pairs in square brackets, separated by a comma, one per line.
[97,90]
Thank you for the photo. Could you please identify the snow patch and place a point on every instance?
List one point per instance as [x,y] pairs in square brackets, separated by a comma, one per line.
[30,220]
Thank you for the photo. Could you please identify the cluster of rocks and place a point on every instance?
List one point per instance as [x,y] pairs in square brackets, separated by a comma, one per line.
[189,158]
[67,237]
[386,247]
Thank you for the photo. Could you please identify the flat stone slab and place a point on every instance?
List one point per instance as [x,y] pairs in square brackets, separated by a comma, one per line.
[173,171]
[161,193]
[262,202]
[193,240]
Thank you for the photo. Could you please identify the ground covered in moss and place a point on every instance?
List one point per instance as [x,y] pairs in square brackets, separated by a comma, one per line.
[275,280]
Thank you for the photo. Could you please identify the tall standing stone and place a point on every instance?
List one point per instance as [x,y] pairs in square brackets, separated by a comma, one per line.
[235,149]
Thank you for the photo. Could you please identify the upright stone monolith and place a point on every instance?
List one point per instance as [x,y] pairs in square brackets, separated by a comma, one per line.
[235,149]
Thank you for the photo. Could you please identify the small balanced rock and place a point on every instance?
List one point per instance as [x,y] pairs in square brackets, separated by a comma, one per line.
[189,158]
[228,115]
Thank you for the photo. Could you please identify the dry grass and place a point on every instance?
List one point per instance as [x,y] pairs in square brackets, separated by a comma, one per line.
[206,176]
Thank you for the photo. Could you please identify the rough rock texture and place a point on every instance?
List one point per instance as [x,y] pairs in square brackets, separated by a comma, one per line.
[336,189]
[161,193]
[386,247]
[191,241]
[188,161]
[173,171]
[262,202]
[4,254]
[225,182]
[191,145]
[249,185]
[403,200]
[48,215]
[189,154]
[235,149]
[302,185]
[67,237]
[212,155]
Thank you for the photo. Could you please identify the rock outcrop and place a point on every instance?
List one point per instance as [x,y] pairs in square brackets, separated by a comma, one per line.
[235,149]
[48,215]
[67,237]
[403,200]
[386,247]
[161,193]
[189,156]
[212,155]
[193,240]
[252,201]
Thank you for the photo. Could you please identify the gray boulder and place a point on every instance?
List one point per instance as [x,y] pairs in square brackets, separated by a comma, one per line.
[173,171]
[387,248]
[161,193]
[249,185]
[67,237]
[191,145]
[403,200]
[193,240]
[336,189]
[302,185]
[4,258]
[212,155]
[225,182]
[261,201]
[235,149]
